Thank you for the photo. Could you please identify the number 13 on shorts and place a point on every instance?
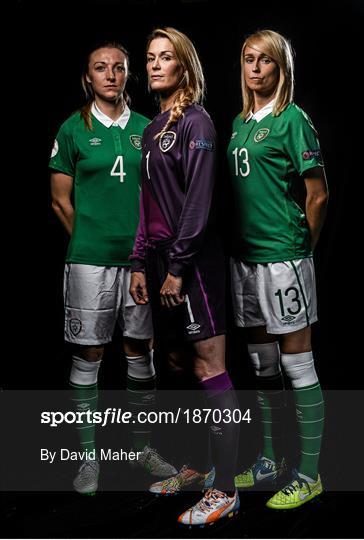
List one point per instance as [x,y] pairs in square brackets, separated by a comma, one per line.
[288,295]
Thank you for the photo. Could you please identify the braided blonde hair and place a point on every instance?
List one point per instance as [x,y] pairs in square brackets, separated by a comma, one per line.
[192,85]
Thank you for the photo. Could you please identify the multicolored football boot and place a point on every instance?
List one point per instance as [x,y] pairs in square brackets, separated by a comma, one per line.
[185,479]
[213,506]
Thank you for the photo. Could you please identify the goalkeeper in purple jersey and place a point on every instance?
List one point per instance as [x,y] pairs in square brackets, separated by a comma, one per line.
[177,264]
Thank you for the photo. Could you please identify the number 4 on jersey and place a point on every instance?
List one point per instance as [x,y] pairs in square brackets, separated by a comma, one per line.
[119,162]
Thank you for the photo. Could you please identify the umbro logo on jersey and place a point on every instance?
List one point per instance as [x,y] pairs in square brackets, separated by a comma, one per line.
[136,141]
[288,318]
[261,134]
[75,326]
[193,328]
[167,140]
[95,141]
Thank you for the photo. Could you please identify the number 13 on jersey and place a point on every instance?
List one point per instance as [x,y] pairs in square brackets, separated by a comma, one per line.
[242,156]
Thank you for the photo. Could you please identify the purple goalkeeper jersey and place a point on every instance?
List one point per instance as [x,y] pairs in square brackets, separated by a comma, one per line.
[178,176]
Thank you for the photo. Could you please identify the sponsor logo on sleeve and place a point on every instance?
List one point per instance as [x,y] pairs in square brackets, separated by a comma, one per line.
[54,149]
[201,144]
[95,141]
[167,140]
[309,154]
[261,134]
[136,141]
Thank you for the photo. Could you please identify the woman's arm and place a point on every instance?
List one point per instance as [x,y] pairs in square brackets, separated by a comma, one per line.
[199,176]
[61,189]
[317,195]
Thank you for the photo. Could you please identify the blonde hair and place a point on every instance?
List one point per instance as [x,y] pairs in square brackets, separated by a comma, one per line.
[279,49]
[87,86]
[192,85]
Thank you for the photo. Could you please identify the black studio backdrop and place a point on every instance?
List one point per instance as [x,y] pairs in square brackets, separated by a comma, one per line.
[44,60]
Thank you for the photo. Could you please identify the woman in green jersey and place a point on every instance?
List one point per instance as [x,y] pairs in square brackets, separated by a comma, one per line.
[273,152]
[95,186]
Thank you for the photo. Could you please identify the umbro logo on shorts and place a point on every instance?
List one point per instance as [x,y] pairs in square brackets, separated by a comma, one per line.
[288,318]
[193,328]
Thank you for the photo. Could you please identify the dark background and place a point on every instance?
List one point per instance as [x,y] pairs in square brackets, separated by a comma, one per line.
[42,64]
[44,69]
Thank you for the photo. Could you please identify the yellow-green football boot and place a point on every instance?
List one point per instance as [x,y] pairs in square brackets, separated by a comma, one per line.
[297,492]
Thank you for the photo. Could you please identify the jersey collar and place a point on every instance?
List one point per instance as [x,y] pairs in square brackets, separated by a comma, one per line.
[108,122]
[262,113]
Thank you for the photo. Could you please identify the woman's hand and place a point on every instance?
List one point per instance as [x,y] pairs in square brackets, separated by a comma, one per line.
[138,288]
[171,291]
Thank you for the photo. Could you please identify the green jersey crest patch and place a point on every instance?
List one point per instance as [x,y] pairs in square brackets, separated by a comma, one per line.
[136,141]
[261,134]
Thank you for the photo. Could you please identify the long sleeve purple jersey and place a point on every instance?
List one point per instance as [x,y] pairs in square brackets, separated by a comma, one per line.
[178,176]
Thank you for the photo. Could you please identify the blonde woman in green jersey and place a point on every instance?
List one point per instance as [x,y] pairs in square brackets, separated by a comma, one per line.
[273,151]
[95,185]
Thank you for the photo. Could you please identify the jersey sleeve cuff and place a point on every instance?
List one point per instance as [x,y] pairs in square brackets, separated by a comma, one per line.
[137,265]
[177,269]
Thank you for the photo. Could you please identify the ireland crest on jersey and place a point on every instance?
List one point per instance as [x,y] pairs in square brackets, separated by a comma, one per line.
[261,134]
[136,141]
[167,140]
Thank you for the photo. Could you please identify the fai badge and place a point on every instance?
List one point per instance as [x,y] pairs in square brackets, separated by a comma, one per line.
[261,134]
[167,140]
[136,141]
[75,326]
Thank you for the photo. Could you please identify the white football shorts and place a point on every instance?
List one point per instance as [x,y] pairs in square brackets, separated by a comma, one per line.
[280,296]
[95,299]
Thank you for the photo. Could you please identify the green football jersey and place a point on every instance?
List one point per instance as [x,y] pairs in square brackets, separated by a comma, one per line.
[105,166]
[266,159]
